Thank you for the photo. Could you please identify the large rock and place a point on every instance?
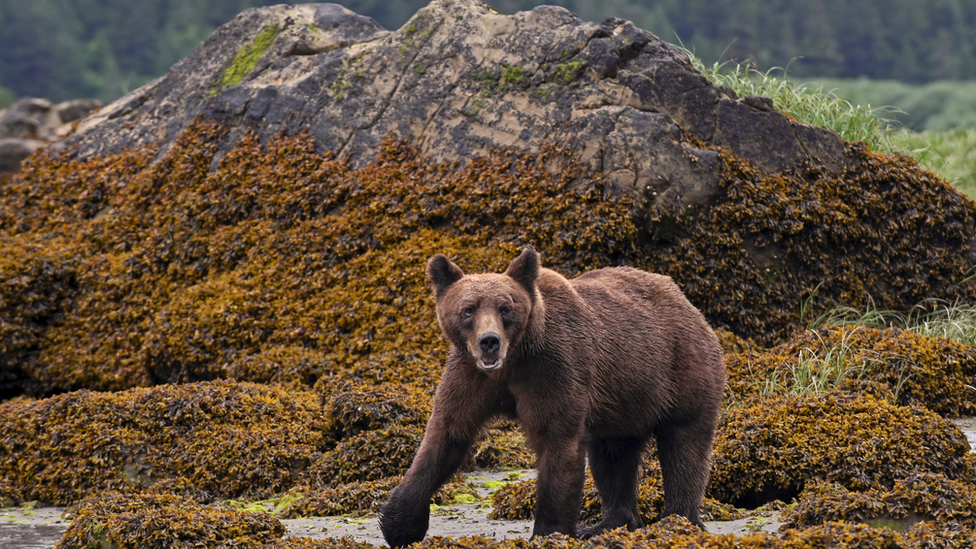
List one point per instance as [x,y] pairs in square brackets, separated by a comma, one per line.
[463,78]
[760,219]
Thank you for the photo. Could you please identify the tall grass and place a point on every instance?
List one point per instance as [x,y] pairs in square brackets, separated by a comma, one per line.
[807,104]
[955,322]
[949,153]
[821,370]
[936,106]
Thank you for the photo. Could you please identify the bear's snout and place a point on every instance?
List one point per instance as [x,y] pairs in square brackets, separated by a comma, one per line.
[489,343]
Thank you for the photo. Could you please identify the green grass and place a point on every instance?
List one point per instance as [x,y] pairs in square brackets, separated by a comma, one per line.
[955,322]
[949,153]
[936,106]
[807,104]
[819,371]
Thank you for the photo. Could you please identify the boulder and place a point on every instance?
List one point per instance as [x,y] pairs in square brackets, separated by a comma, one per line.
[13,150]
[464,78]
[760,219]
[31,123]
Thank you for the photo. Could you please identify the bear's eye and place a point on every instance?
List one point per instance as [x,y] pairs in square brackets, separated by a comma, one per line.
[467,312]
[505,310]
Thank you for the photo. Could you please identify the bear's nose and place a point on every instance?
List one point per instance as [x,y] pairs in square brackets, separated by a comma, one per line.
[489,343]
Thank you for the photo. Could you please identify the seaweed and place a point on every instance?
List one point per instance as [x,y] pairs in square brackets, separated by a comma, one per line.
[893,364]
[126,521]
[916,498]
[771,448]
[227,439]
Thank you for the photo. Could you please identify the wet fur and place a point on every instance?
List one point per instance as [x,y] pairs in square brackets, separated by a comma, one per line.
[596,365]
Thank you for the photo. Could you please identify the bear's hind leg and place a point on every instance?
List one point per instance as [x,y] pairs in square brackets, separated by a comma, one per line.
[685,451]
[614,464]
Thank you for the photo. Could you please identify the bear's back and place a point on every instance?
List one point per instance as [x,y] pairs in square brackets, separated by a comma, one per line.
[608,289]
[655,346]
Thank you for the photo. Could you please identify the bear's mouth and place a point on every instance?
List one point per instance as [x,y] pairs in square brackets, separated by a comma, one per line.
[489,364]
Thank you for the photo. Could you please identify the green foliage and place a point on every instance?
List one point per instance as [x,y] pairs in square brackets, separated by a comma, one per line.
[935,107]
[955,322]
[949,153]
[7,96]
[65,49]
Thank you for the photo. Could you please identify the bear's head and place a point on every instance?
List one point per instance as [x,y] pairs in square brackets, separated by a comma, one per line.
[486,314]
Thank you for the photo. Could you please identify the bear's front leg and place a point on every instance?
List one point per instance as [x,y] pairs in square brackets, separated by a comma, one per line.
[461,406]
[559,487]
[405,517]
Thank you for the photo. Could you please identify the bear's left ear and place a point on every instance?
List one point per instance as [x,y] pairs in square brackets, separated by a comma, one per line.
[525,269]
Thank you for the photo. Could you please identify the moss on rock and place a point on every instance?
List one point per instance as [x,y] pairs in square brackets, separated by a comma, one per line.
[126,521]
[897,365]
[770,449]
[913,499]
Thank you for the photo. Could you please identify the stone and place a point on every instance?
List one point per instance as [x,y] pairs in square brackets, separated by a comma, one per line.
[463,78]
[76,109]
[13,151]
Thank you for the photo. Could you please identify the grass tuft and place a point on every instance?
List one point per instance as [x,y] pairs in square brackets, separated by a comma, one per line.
[807,104]
[953,322]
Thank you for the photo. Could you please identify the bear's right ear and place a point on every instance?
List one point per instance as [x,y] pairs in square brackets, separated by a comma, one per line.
[442,273]
[525,269]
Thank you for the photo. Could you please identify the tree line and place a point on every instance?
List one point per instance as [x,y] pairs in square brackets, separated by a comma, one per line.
[62,49]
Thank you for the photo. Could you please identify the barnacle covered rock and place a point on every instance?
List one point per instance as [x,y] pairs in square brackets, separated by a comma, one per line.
[370,407]
[126,521]
[897,365]
[228,439]
[771,242]
[282,265]
[503,447]
[516,501]
[771,448]
[296,542]
[370,455]
[910,500]
[350,497]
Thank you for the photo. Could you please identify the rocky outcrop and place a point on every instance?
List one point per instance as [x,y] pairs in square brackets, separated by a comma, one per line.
[31,123]
[761,220]
[464,78]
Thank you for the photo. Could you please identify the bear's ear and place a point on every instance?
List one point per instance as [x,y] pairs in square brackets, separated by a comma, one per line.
[442,273]
[525,269]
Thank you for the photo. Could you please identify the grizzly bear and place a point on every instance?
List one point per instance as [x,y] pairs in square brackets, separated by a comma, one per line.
[594,366]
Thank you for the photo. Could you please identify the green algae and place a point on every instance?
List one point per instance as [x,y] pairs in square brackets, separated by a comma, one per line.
[246,59]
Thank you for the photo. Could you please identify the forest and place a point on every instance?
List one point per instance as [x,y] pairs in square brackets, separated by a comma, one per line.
[64,49]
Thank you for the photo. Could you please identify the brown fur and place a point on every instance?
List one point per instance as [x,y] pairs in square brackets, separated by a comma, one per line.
[592,366]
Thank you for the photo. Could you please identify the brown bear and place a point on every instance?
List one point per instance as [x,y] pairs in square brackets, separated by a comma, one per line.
[594,366]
